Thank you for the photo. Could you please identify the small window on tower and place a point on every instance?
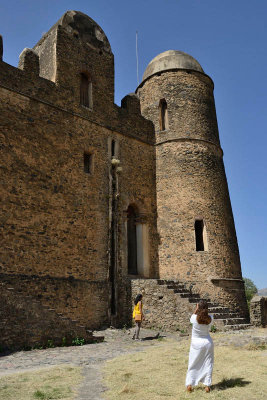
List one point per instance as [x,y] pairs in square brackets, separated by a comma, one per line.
[88,163]
[86,98]
[199,233]
[163,115]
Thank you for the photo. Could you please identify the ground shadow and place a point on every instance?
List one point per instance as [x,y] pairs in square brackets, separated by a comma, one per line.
[157,336]
[230,383]
[6,353]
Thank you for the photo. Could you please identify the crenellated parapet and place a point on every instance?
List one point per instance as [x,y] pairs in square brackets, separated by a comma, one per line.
[29,62]
[131,103]
[73,163]
[72,68]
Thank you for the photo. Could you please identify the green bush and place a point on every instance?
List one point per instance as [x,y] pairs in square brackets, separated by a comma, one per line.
[250,289]
[78,342]
[213,328]
[50,344]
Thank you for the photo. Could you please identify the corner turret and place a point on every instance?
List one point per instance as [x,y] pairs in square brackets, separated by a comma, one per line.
[195,222]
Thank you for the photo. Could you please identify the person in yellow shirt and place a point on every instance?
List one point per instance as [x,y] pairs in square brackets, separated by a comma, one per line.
[138,315]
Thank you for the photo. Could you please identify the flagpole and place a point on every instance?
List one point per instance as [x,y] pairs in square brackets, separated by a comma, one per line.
[137,69]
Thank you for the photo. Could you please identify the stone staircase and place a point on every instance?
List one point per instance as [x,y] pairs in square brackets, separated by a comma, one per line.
[224,318]
[26,322]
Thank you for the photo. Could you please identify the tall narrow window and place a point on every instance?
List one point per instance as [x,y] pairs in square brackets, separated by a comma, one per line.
[113,148]
[163,115]
[199,230]
[131,237]
[88,163]
[86,99]
[113,144]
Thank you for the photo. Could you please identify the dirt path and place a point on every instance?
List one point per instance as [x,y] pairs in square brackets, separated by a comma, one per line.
[117,342]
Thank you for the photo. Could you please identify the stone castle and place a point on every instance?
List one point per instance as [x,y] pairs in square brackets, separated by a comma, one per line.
[100,202]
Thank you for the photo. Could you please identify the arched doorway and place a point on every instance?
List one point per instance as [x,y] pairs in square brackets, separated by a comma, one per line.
[131,240]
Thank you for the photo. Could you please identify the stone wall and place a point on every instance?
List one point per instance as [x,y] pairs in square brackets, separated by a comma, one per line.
[191,185]
[25,322]
[64,226]
[78,299]
[163,309]
[55,217]
[258,311]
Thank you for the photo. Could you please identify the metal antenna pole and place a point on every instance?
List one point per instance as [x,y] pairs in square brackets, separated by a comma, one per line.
[137,71]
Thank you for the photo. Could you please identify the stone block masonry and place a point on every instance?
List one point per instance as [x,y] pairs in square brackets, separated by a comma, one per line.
[94,195]
[258,311]
[169,304]
[195,221]
[55,218]
[25,321]
[163,309]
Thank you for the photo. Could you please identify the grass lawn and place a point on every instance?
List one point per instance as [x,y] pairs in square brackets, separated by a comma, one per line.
[159,373]
[43,384]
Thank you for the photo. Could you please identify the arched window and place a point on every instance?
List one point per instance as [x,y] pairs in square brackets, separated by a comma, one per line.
[86,94]
[163,115]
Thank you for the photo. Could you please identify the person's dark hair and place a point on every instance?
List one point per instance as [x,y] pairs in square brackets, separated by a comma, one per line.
[202,313]
[138,298]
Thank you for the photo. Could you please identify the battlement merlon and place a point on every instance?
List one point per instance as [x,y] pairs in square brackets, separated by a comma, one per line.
[29,61]
[51,73]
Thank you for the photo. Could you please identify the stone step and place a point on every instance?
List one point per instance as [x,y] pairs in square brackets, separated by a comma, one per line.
[210,305]
[189,295]
[223,316]
[218,309]
[168,282]
[194,299]
[182,290]
[237,327]
[176,287]
[232,321]
[226,315]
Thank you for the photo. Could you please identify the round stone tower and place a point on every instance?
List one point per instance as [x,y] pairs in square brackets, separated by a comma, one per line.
[197,238]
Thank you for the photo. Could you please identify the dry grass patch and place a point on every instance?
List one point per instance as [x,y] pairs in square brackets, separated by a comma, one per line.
[159,373]
[43,384]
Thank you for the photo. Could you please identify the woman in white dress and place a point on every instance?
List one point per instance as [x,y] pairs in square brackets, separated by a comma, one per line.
[201,353]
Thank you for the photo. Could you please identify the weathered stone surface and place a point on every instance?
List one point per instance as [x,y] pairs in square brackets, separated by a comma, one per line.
[191,185]
[171,59]
[64,224]
[168,305]
[258,311]
[55,219]
[29,61]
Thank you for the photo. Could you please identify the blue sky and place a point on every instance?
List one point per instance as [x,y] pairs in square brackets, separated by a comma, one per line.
[228,38]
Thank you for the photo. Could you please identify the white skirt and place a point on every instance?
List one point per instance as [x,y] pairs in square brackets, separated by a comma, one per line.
[200,365]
